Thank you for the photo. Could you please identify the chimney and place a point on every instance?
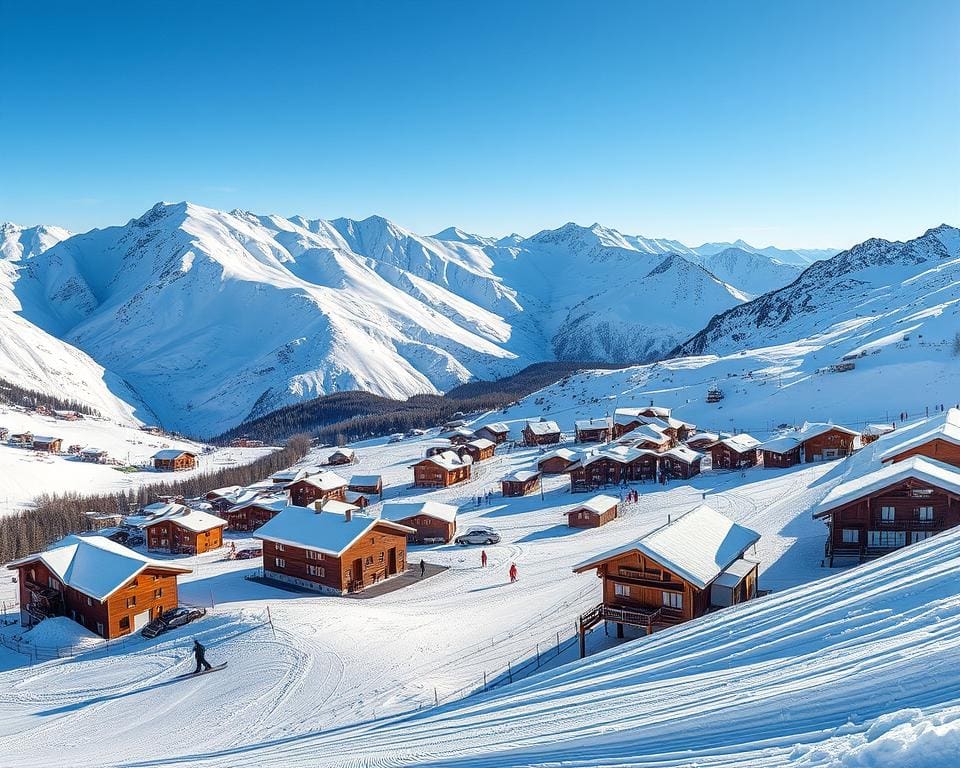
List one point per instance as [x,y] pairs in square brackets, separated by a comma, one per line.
[347,515]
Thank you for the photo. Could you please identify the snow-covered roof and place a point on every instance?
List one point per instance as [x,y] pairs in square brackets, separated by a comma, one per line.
[622,454]
[44,439]
[339,507]
[521,476]
[496,427]
[921,468]
[449,460]
[169,454]
[401,510]
[944,426]
[559,453]
[194,520]
[604,422]
[740,443]
[458,432]
[813,429]
[736,573]
[274,502]
[325,481]
[878,429]
[366,480]
[698,546]
[681,452]
[95,565]
[345,452]
[710,436]
[326,531]
[227,490]
[91,451]
[781,443]
[481,443]
[598,504]
[287,475]
[649,432]
[543,427]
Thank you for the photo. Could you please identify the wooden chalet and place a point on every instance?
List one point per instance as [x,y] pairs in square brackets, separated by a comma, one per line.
[680,462]
[431,522]
[873,432]
[557,461]
[441,470]
[936,438]
[332,553]
[676,573]
[651,437]
[459,436]
[342,456]
[179,530]
[174,460]
[734,452]
[368,485]
[47,444]
[626,420]
[541,432]
[701,441]
[889,508]
[318,487]
[250,515]
[104,586]
[779,452]
[824,442]
[92,455]
[612,465]
[442,447]
[594,512]
[480,449]
[520,483]
[22,438]
[498,432]
[594,430]
[358,498]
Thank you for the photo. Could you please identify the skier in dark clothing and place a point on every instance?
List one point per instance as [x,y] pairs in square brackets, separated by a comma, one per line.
[423,568]
[198,653]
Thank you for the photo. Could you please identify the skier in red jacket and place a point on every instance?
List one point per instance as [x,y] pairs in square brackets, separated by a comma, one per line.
[513,572]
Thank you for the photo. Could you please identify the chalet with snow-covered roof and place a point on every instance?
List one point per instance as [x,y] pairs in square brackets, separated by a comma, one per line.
[480,449]
[651,437]
[673,574]
[92,455]
[183,531]
[779,452]
[594,512]
[332,553]
[174,460]
[47,444]
[104,586]
[734,452]
[626,420]
[342,456]
[936,438]
[899,504]
[22,438]
[368,485]
[824,442]
[594,430]
[459,436]
[520,483]
[67,415]
[680,462]
[541,432]
[498,432]
[701,441]
[430,521]
[557,461]
[359,498]
[286,476]
[873,432]
[250,515]
[319,487]
[442,470]
[612,465]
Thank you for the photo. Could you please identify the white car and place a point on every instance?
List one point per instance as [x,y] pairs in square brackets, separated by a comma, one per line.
[479,534]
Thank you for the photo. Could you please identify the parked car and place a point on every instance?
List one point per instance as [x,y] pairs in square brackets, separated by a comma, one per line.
[135,540]
[396,437]
[119,536]
[478,534]
[249,553]
[175,617]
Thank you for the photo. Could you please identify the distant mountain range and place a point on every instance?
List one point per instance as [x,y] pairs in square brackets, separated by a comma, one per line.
[202,319]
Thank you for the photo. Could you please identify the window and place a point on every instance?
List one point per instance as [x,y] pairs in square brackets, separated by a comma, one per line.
[916,536]
[157,594]
[132,602]
[89,601]
[124,623]
[53,583]
[673,600]
[280,562]
[887,514]
[349,574]
[315,570]
[311,555]
[99,628]
[621,590]
[886,539]
[368,560]
[381,557]
[925,513]
[279,547]
[851,535]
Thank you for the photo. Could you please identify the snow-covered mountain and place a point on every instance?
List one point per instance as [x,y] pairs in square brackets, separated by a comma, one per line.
[32,358]
[801,257]
[751,272]
[214,317]
[880,292]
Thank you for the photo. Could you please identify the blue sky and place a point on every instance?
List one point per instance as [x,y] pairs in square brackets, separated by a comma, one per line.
[804,123]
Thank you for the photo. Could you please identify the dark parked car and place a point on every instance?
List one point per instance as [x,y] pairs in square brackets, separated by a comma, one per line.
[175,617]
[119,536]
[249,554]
[135,540]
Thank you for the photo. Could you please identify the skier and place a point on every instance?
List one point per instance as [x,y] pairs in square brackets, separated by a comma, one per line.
[199,654]
[513,572]
[423,568]
[483,558]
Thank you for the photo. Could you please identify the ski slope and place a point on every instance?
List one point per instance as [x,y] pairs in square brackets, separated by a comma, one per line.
[329,664]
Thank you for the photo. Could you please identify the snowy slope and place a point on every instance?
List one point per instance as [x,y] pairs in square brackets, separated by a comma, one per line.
[752,273]
[32,358]
[883,290]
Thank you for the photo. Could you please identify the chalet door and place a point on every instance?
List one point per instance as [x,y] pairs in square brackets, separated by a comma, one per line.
[141,620]
[392,561]
[358,571]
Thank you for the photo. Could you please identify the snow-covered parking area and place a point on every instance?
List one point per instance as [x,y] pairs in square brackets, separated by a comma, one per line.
[324,662]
